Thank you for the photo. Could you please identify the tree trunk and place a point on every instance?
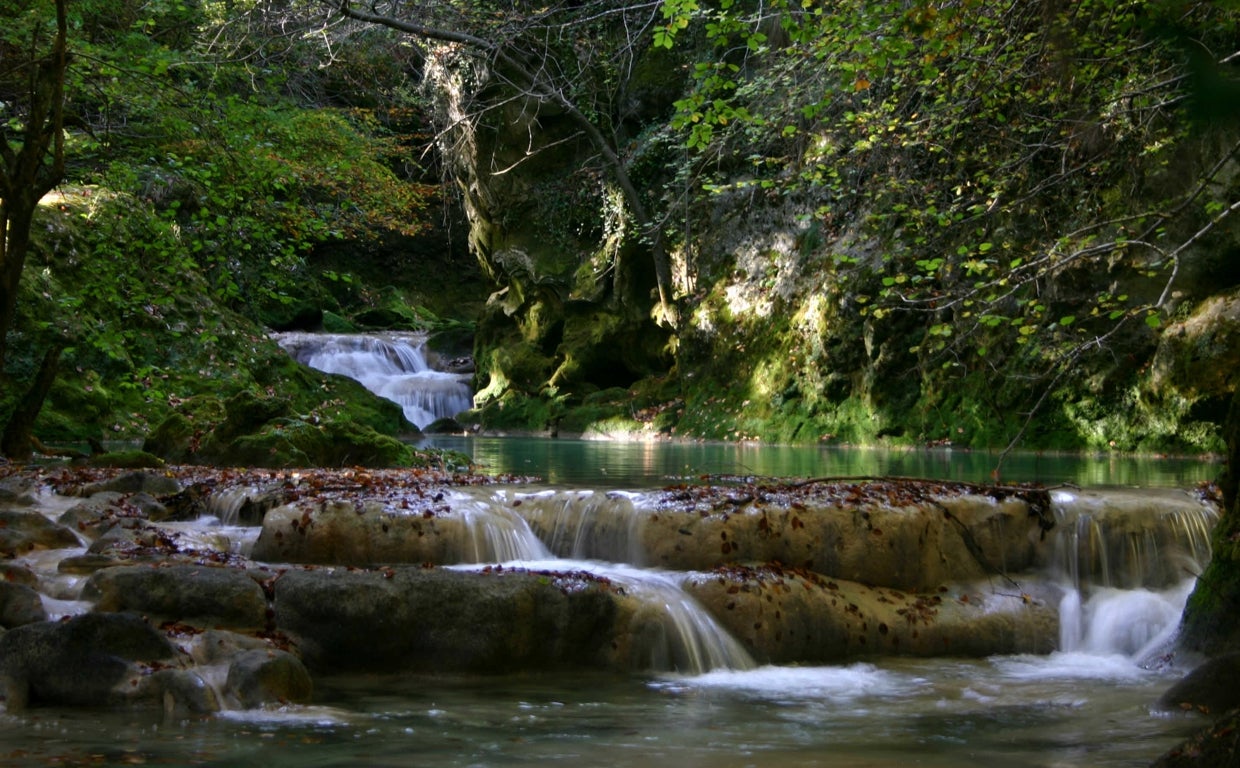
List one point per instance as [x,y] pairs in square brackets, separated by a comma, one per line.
[16,216]
[1211,623]
[15,442]
[32,164]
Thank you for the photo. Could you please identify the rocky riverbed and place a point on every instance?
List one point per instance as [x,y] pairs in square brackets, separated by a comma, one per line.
[198,589]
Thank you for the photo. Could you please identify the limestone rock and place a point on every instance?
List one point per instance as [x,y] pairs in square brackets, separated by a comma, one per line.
[199,595]
[787,616]
[906,546]
[433,619]
[369,533]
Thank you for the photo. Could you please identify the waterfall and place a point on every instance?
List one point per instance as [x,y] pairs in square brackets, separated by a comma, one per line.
[1127,562]
[669,631]
[1153,539]
[393,366]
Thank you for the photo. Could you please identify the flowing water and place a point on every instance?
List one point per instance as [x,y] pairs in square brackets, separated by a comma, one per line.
[396,366]
[700,700]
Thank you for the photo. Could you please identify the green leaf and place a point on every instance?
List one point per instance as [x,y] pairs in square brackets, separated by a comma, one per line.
[1067,320]
[1153,321]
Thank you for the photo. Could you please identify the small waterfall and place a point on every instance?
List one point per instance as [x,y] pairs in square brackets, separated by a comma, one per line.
[493,533]
[1127,562]
[669,630]
[678,634]
[1152,539]
[393,366]
[586,525]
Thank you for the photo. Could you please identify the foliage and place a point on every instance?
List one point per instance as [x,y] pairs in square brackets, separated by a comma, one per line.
[1019,178]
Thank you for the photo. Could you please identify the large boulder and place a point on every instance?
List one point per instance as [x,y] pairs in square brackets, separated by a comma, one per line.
[94,660]
[20,604]
[438,620]
[1212,687]
[199,595]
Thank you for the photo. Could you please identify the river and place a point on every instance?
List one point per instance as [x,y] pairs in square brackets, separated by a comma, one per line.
[1088,703]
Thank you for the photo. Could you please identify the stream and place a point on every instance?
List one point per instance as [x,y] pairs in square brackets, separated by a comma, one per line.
[1087,703]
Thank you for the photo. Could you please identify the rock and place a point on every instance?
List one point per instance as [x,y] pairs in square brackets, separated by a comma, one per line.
[95,515]
[912,545]
[220,645]
[366,533]
[784,616]
[92,660]
[259,677]
[22,532]
[132,459]
[198,595]
[18,490]
[153,483]
[89,563]
[1198,355]
[18,574]
[149,508]
[1211,688]
[181,691]
[19,605]
[174,439]
[1217,746]
[443,426]
[439,620]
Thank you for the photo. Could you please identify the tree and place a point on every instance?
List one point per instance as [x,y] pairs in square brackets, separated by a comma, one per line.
[519,46]
[32,162]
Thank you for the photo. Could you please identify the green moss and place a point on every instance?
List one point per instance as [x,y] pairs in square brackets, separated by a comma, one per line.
[131,459]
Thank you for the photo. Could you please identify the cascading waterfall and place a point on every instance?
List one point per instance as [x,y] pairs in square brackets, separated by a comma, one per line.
[1127,563]
[393,366]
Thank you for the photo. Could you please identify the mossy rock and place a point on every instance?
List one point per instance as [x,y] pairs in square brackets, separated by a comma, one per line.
[171,439]
[291,443]
[334,323]
[131,459]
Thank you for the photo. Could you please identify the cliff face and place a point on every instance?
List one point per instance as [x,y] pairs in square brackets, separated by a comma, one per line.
[926,251]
